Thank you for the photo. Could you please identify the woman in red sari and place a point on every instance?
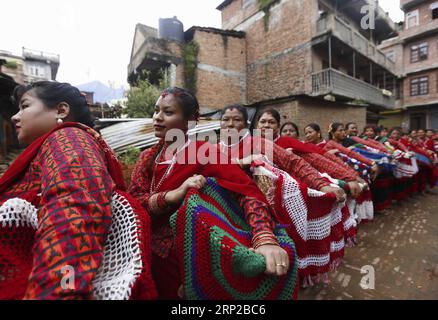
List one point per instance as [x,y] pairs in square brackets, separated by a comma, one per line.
[269,120]
[316,256]
[57,226]
[234,119]
[162,179]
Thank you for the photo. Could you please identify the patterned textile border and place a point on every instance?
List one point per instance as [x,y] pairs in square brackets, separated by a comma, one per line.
[213,240]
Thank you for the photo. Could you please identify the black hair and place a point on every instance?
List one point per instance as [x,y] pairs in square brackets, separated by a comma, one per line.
[52,93]
[239,108]
[399,129]
[186,100]
[349,124]
[314,126]
[333,128]
[292,124]
[412,130]
[374,128]
[273,113]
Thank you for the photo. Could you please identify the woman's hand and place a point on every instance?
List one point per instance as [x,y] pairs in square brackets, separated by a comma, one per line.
[246,162]
[374,171]
[333,151]
[339,193]
[277,259]
[363,184]
[355,189]
[178,195]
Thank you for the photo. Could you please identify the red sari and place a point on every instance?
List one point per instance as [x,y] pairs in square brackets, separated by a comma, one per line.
[284,160]
[229,176]
[61,187]
[300,211]
[317,158]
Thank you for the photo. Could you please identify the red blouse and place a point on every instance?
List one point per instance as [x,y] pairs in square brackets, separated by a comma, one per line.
[74,213]
[284,160]
[244,190]
[318,160]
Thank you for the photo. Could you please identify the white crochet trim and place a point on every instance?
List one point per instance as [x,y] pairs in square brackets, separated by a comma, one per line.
[295,205]
[337,246]
[365,211]
[18,212]
[122,263]
[319,228]
[336,213]
[405,170]
[313,261]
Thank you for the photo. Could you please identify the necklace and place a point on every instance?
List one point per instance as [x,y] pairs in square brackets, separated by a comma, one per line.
[224,146]
[154,187]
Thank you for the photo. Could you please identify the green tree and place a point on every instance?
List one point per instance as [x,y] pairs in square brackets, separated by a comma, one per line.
[142,98]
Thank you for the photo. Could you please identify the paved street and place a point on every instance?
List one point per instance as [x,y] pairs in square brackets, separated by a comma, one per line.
[401,244]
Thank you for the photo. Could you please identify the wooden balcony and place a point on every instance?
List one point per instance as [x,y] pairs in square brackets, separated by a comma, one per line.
[351,37]
[338,84]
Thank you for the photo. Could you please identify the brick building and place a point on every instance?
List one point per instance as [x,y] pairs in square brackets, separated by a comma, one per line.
[31,66]
[416,53]
[311,60]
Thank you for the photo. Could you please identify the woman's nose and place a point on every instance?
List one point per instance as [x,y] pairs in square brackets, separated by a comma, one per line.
[15,117]
[157,116]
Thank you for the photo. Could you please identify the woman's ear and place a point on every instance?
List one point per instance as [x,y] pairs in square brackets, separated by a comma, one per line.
[63,110]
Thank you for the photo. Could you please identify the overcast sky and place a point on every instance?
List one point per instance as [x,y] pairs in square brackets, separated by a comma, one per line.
[94,37]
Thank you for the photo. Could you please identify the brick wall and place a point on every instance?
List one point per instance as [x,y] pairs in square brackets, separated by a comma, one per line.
[234,14]
[397,47]
[424,12]
[423,99]
[432,59]
[279,58]
[221,76]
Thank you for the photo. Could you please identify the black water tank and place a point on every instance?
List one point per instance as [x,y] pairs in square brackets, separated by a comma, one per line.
[171,28]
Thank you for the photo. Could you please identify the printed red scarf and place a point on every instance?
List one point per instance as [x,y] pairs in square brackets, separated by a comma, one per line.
[20,165]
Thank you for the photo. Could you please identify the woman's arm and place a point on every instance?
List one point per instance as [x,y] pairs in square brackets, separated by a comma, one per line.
[74,217]
[264,242]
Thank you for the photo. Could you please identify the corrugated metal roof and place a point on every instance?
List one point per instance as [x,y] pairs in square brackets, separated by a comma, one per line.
[140,133]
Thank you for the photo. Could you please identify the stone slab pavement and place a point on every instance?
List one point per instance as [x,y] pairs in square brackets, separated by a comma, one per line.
[400,246]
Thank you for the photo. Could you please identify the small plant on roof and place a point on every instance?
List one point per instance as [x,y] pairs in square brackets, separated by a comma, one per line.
[11,65]
[130,156]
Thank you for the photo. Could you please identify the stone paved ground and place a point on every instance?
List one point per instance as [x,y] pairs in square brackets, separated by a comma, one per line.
[401,244]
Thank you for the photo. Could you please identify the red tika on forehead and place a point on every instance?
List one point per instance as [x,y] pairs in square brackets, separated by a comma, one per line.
[174,93]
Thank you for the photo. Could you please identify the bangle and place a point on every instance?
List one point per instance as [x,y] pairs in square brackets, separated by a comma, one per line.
[266,244]
[153,204]
[264,238]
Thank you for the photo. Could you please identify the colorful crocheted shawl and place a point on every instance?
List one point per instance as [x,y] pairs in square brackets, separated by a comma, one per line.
[319,226]
[213,240]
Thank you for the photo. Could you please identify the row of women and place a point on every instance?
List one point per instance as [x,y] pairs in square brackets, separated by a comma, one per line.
[276,215]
